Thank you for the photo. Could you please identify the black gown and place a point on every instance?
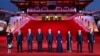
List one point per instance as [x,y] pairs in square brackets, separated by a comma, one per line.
[69,44]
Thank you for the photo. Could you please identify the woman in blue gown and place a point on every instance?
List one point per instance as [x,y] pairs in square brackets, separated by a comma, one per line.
[59,41]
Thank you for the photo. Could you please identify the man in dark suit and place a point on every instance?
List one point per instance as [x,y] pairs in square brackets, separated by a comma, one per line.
[19,39]
[39,38]
[90,40]
[79,39]
[49,39]
[29,40]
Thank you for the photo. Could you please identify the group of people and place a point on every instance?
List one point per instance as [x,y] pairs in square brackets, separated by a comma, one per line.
[49,38]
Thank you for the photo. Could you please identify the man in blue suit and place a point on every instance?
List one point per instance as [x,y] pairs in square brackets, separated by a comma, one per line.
[79,39]
[29,40]
[19,39]
[39,39]
[49,39]
[90,41]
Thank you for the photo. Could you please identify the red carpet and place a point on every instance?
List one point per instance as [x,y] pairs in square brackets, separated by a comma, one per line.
[54,25]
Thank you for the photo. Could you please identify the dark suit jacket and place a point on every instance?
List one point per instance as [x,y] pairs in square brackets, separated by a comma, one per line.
[9,38]
[19,38]
[39,37]
[91,37]
[79,38]
[49,37]
[30,37]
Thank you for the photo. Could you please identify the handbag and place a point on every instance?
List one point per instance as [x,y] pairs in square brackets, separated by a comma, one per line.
[10,45]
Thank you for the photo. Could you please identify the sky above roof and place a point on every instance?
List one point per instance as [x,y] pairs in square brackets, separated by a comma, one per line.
[7,5]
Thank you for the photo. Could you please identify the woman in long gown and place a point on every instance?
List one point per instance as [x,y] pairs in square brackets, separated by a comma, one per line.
[69,40]
[59,41]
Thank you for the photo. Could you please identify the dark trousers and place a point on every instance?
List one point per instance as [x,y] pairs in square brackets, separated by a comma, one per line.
[90,47]
[79,47]
[19,47]
[29,47]
[49,46]
[39,46]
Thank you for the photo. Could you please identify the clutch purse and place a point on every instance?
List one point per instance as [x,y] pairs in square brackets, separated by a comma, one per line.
[9,45]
